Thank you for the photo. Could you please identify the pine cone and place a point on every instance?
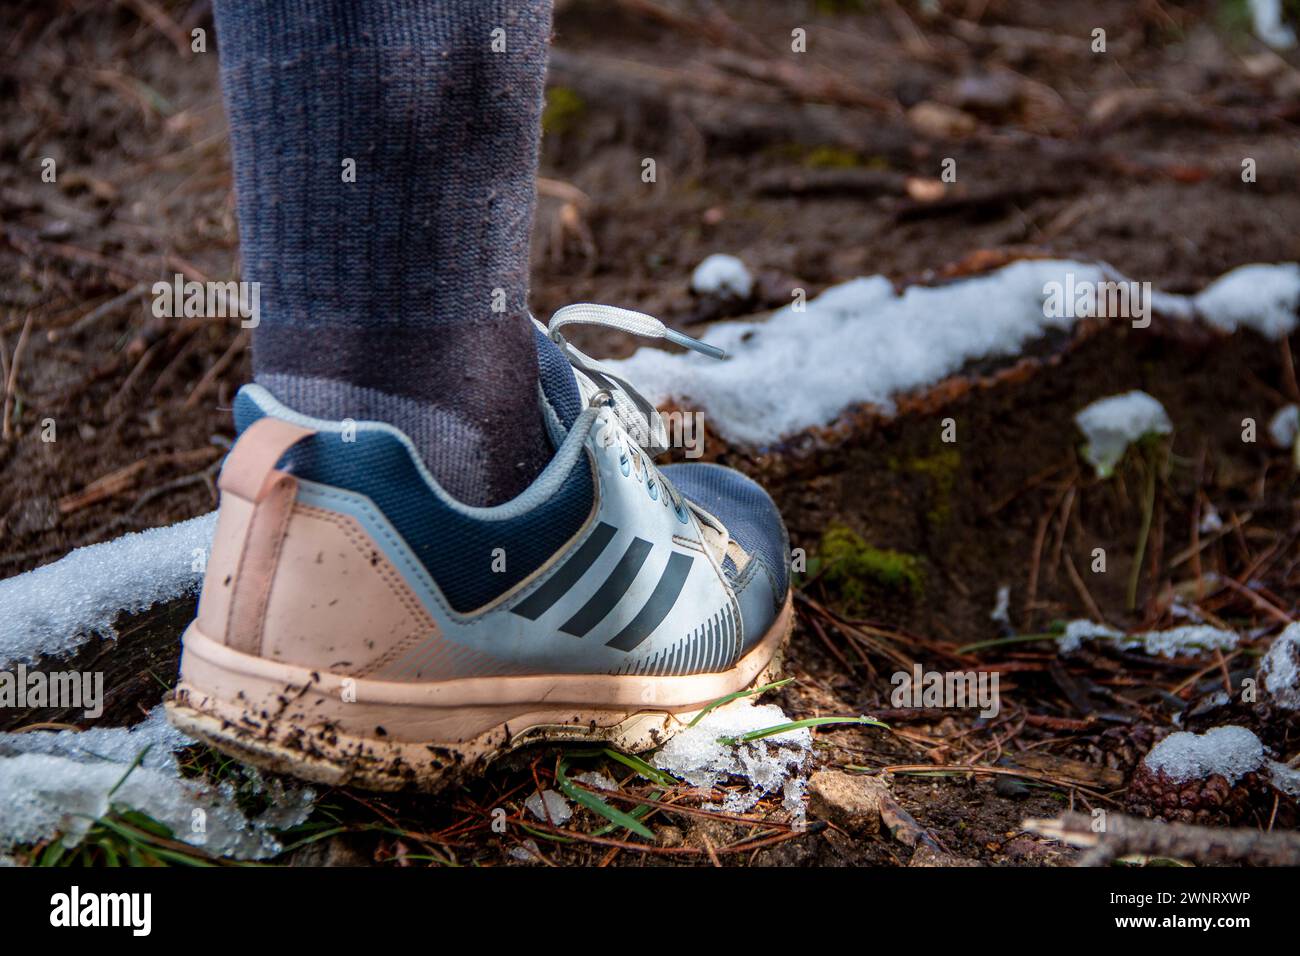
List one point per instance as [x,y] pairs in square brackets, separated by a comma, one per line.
[1209,801]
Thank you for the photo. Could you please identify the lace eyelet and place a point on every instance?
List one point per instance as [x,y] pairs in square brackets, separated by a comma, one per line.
[680,511]
[653,489]
[624,465]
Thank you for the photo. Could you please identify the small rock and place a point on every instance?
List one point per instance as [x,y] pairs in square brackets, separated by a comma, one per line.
[990,93]
[939,121]
[1006,786]
[927,855]
[32,515]
[670,836]
[849,801]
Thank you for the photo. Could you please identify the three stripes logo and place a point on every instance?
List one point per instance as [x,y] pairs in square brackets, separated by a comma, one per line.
[612,589]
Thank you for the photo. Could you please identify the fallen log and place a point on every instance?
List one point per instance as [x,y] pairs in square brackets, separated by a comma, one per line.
[1119,835]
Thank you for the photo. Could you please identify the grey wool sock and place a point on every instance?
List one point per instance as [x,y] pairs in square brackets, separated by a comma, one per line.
[384,155]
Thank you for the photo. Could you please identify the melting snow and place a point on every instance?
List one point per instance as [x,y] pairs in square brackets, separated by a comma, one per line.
[55,608]
[722,275]
[1286,779]
[1259,297]
[1188,639]
[1229,751]
[1001,613]
[1284,425]
[1270,25]
[862,343]
[777,763]
[120,745]
[59,783]
[1211,520]
[1281,668]
[597,781]
[1112,424]
[555,810]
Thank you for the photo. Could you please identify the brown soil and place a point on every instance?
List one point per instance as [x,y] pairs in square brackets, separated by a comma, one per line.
[801,168]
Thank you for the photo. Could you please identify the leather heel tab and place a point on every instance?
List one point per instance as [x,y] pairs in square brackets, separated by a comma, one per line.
[249,469]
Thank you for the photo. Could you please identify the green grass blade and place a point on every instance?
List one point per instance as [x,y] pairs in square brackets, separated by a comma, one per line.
[753,691]
[653,774]
[595,804]
[799,725]
[139,759]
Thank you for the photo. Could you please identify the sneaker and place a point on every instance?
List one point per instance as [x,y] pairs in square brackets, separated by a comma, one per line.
[359,626]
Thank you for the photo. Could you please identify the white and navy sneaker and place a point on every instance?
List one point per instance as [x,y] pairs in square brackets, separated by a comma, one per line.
[358,625]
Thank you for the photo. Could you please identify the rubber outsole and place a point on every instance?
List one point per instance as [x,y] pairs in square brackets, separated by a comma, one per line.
[389,736]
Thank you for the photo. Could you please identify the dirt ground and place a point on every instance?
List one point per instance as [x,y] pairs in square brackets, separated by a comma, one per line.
[813,168]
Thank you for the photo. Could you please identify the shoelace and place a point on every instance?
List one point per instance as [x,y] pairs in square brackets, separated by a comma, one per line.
[636,413]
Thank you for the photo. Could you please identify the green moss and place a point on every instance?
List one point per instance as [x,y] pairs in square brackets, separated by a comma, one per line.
[851,567]
[940,469]
[563,109]
[841,6]
[831,157]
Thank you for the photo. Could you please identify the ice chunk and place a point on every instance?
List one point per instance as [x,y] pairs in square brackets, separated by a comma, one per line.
[724,276]
[1260,297]
[1270,25]
[55,608]
[1190,639]
[1280,668]
[1229,751]
[1284,425]
[526,852]
[1112,424]
[554,810]
[597,781]
[768,765]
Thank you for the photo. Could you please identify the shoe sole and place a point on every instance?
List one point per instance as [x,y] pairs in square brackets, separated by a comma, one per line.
[388,735]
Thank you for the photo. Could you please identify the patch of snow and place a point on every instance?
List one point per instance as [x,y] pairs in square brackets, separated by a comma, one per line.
[777,763]
[1112,424]
[860,343]
[55,608]
[555,810]
[722,275]
[1280,668]
[1260,297]
[1078,631]
[1229,751]
[119,745]
[597,781]
[58,783]
[1269,24]
[1284,426]
[1173,642]
[1211,521]
[1286,779]
[1002,608]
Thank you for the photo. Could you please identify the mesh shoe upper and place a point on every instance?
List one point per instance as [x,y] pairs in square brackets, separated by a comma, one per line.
[753,522]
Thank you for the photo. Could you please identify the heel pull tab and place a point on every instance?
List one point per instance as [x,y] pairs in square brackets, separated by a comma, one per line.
[249,470]
[250,473]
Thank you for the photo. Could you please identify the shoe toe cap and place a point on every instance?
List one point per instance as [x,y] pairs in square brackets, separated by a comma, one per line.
[754,523]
